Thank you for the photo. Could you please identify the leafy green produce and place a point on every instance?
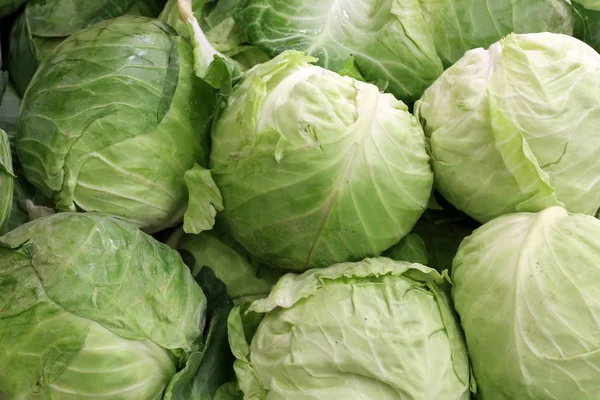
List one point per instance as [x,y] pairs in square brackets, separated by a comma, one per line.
[113,128]
[215,18]
[27,204]
[526,288]
[402,46]
[515,127]
[97,299]
[44,24]
[377,329]
[243,277]
[227,276]
[318,173]
[6,178]
[316,168]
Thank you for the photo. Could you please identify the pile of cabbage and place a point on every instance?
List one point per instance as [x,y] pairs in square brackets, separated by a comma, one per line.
[286,199]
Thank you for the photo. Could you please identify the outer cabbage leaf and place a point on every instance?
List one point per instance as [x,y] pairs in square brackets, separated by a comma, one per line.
[245,279]
[216,20]
[10,104]
[332,330]
[204,202]
[97,299]
[316,168]
[26,204]
[208,368]
[462,25]
[526,288]
[44,24]
[389,39]
[6,178]
[227,276]
[514,127]
[587,27]
[589,4]
[131,112]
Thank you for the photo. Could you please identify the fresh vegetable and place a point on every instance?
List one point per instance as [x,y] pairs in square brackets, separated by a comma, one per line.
[402,46]
[113,128]
[94,308]
[214,256]
[525,286]
[374,329]
[316,168]
[515,127]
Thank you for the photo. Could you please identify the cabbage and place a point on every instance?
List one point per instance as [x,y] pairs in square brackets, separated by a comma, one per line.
[402,46]
[93,308]
[113,128]
[376,329]
[515,127]
[316,168]
[526,287]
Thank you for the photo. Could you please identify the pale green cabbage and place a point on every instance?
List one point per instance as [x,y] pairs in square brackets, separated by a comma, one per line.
[376,329]
[526,287]
[515,127]
[316,168]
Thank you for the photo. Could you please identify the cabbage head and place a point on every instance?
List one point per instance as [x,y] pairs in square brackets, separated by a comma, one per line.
[376,329]
[400,45]
[515,127]
[526,286]
[113,128]
[44,24]
[316,168]
[93,308]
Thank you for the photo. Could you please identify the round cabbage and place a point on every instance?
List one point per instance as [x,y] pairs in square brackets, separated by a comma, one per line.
[316,168]
[376,329]
[515,127]
[526,287]
[90,307]
[113,128]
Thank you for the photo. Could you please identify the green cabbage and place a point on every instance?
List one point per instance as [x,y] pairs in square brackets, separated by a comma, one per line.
[316,168]
[526,287]
[376,329]
[400,45]
[515,127]
[93,308]
[113,128]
